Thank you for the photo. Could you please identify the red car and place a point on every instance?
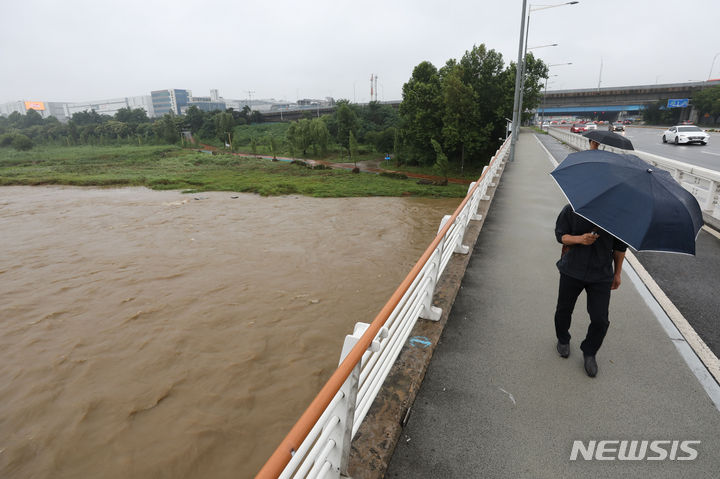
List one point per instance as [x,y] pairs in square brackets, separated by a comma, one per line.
[577,128]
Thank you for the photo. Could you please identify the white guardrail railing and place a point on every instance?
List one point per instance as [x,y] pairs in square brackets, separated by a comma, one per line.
[318,445]
[704,184]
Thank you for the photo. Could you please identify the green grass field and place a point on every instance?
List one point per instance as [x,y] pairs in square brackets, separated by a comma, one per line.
[173,168]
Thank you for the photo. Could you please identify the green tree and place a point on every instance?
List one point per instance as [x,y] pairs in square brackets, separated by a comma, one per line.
[421,110]
[132,116]
[253,145]
[459,115]
[194,118]
[441,166]
[91,117]
[167,129]
[484,71]
[353,148]
[272,143]
[320,135]
[6,139]
[224,125]
[21,142]
[255,117]
[32,118]
[707,101]
[397,142]
[347,122]
[535,72]
[16,120]
[299,134]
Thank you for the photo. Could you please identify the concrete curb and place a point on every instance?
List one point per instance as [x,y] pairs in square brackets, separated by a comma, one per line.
[374,443]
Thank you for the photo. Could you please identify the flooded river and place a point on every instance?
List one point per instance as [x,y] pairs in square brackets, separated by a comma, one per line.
[150,334]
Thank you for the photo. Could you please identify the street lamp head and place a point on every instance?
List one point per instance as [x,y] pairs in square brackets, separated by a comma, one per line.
[542,46]
[534,8]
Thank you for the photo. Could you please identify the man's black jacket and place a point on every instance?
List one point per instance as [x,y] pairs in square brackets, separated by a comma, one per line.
[593,263]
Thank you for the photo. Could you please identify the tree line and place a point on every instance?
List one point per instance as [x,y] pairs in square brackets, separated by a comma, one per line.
[128,125]
[463,106]
[455,114]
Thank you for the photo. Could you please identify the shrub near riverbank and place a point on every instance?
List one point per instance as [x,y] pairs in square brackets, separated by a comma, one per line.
[172,168]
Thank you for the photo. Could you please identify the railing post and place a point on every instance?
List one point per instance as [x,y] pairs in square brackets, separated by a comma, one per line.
[430,312]
[476,202]
[710,200]
[340,454]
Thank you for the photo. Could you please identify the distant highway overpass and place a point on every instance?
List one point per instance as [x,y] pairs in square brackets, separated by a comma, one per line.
[311,111]
[608,103]
[603,103]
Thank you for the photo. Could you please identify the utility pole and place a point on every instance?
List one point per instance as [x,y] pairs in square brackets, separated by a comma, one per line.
[372,75]
[518,78]
[250,92]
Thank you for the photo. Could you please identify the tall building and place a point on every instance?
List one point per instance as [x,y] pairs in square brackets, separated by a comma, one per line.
[167,101]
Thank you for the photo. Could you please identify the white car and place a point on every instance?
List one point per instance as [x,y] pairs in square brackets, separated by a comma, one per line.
[685,134]
[590,126]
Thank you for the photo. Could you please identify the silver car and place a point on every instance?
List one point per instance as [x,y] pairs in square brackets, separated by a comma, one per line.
[682,134]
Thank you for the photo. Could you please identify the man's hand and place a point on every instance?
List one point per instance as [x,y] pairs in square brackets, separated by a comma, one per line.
[618,258]
[587,239]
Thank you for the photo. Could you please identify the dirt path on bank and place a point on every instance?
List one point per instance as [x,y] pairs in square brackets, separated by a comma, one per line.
[369,166]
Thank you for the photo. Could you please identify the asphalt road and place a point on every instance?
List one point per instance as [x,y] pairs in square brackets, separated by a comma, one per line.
[690,282]
[649,139]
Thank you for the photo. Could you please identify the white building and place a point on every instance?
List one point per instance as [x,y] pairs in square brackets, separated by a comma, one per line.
[45,108]
[110,107]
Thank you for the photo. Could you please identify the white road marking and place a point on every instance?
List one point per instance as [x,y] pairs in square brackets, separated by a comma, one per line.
[710,153]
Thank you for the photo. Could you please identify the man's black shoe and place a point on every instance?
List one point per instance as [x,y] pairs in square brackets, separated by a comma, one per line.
[590,365]
[563,349]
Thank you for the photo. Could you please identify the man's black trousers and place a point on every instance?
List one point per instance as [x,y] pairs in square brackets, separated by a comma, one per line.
[598,302]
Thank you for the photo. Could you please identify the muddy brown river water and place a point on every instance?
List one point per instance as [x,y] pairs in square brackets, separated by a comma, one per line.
[149,334]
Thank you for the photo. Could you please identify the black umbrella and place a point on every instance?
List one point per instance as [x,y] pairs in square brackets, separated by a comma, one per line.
[630,199]
[610,138]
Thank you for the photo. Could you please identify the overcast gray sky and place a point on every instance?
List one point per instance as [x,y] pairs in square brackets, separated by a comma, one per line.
[75,50]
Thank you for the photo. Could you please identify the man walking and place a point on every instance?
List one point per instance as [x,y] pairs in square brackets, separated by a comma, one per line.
[592,261]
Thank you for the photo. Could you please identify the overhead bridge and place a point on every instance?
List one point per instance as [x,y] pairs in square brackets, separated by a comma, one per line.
[311,111]
[608,102]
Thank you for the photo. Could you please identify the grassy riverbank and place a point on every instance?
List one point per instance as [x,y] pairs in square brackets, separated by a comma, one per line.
[172,168]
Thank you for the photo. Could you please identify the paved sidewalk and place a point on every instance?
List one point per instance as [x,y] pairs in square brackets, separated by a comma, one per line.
[498,401]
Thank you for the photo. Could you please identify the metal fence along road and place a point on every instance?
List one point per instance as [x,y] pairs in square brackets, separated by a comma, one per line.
[318,445]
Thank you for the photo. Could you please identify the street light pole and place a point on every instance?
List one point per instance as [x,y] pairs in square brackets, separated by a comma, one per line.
[520,75]
[518,78]
[712,65]
[522,81]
